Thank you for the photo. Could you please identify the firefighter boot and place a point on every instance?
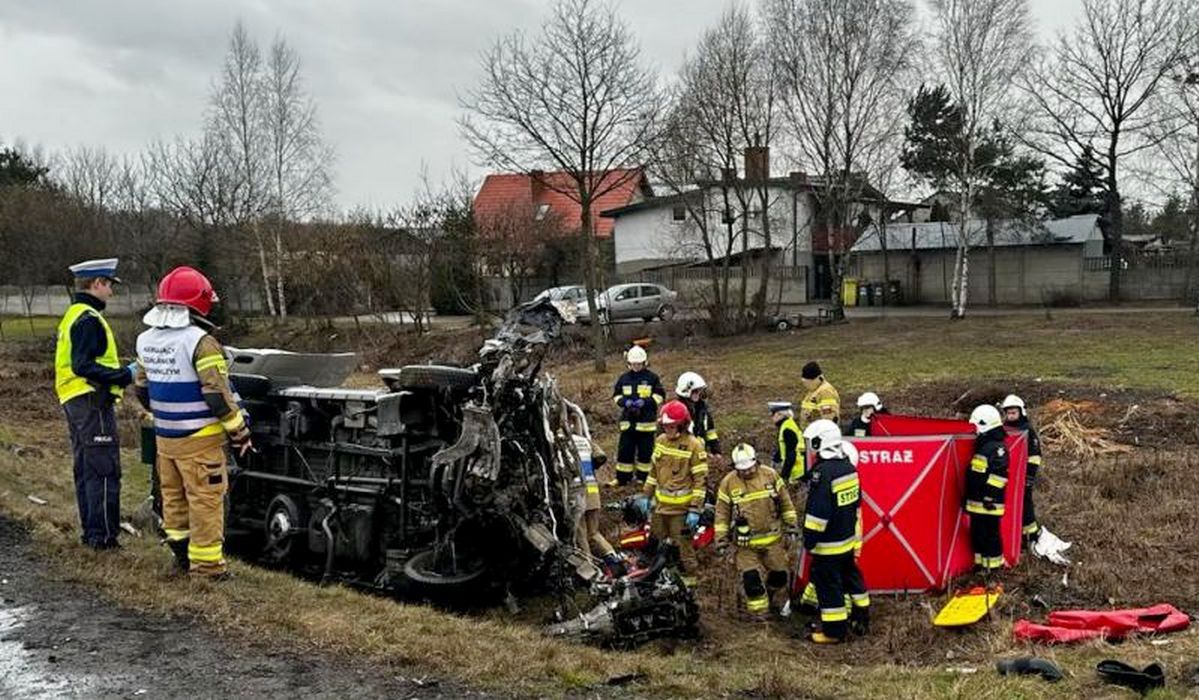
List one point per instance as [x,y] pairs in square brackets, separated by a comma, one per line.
[859,621]
[822,638]
[181,564]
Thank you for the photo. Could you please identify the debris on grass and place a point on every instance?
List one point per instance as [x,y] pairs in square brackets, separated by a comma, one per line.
[1063,428]
[36,501]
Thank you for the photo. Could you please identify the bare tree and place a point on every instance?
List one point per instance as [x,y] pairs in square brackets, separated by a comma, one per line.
[574,97]
[512,238]
[726,101]
[1098,90]
[298,159]
[842,65]
[1177,137]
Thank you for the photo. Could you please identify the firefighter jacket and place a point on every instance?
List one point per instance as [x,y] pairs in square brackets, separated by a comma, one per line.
[639,394]
[831,519]
[788,455]
[859,427]
[1034,445]
[760,501]
[678,474]
[183,379]
[85,354]
[986,480]
[703,426]
[821,402]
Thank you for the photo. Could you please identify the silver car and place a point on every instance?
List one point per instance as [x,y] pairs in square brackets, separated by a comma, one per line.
[632,301]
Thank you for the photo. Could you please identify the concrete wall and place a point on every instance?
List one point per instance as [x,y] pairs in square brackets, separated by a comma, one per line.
[129,300]
[1025,275]
[787,287]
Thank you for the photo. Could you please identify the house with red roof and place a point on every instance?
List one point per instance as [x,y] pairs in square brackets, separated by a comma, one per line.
[542,196]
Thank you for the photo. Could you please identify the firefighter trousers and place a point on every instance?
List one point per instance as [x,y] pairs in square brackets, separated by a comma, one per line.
[1030,525]
[755,562]
[836,577]
[193,505]
[633,454]
[92,425]
[600,547]
[986,541]
[672,525]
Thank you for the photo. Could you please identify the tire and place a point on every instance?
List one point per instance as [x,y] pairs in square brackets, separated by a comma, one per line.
[421,569]
[666,313]
[603,318]
[782,325]
[436,377]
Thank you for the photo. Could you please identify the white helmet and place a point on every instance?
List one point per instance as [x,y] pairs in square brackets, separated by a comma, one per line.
[985,418]
[1013,401]
[824,436]
[871,400]
[744,457]
[851,452]
[687,383]
[636,355]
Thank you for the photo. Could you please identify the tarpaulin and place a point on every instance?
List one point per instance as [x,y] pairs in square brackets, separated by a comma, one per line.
[1080,625]
[915,534]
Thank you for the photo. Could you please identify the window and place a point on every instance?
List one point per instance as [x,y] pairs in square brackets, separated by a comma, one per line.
[679,214]
[727,217]
[626,294]
[542,210]
[650,291]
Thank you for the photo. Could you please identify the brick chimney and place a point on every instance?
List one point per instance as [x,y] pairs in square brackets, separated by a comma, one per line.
[798,177]
[757,161]
[536,183]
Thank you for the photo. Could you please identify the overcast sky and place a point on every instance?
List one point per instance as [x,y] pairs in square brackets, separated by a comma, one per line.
[385,73]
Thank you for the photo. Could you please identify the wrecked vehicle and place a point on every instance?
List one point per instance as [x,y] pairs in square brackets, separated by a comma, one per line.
[445,483]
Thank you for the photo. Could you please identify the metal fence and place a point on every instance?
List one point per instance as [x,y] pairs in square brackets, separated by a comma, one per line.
[1140,261]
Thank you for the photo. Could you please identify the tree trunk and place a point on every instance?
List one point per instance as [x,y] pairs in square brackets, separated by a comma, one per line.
[744,299]
[279,270]
[1115,216]
[767,254]
[266,275]
[882,242]
[589,277]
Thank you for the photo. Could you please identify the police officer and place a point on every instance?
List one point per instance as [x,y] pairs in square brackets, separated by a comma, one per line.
[692,390]
[869,404]
[89,381]
[832,534]
[788,457]
[754,509]
[1015,416]
[183,379]
[821,400]
[986,484]
[638,393]
[677,483]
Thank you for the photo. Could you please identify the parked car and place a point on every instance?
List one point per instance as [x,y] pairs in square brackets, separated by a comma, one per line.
[631,301]
[572,293]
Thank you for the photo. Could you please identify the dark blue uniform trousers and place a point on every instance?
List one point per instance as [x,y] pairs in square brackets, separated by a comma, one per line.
[92,423]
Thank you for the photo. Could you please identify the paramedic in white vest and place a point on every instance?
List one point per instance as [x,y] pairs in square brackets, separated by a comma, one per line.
[183,379]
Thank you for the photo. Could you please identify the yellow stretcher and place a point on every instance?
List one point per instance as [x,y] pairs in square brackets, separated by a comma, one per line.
[967,607]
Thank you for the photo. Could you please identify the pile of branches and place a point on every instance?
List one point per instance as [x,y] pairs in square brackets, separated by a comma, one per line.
[1064,426]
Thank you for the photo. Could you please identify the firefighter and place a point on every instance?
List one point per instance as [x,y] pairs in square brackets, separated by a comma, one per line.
[820,401]
[832,534]
[89,380]
[692,390]
[986,484]
[754,508]
[869,404]
[788,457]
[638,393]
[183,380]
[591,457]
[1015,415]
[677,482]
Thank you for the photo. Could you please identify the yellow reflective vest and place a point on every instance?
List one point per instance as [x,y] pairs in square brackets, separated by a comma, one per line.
[67,384]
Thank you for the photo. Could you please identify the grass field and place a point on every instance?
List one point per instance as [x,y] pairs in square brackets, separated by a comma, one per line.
[1136,532]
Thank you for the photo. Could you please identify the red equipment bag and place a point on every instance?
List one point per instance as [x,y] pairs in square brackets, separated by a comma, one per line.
[1079,625]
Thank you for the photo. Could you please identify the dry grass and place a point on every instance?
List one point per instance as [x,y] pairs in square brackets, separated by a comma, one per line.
[1131,516]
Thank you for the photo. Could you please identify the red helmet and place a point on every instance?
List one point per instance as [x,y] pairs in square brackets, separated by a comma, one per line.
[674,413]
[188,287]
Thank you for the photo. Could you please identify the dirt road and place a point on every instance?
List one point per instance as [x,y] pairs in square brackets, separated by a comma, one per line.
[62,640]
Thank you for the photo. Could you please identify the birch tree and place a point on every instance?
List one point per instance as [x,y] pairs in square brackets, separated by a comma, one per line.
[980,49]
[575,97]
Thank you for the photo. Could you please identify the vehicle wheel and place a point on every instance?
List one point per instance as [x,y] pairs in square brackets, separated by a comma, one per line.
[444,572]
[282,525]
[782,325]
[436,377]
[666,313]
[603,318]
